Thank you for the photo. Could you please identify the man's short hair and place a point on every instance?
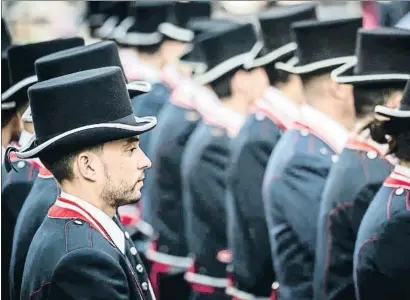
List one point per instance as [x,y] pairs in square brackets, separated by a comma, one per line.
[222,85]
[367,97]
[61,166]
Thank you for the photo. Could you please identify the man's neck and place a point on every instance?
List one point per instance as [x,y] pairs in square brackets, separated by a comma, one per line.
[290,92]
[151,59]
[88,194]
[236,103]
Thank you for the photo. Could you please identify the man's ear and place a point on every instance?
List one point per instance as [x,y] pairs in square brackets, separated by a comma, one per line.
[394,100]
[87,165]
[343,92]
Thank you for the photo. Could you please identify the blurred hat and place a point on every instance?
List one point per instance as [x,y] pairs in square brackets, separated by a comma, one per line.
[109,15]
[202,27]
[400,113]
[140,28]
[21,60]
[84,100]
[381,56]
[275,30]
[226,50]
[179,14]
[244,7]
[322,45]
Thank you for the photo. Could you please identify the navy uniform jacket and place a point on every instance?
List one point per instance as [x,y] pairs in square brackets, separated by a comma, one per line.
[252,269]
[204,164]
[382,260]
[293,184]
[15,189]
[352,183]
[150,104]
[74,255]
[162,199]
[34,210]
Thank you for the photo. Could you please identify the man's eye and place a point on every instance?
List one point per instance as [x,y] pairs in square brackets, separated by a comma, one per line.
[133,149]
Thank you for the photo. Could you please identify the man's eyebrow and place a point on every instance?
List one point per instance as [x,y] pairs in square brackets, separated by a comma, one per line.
[134,139]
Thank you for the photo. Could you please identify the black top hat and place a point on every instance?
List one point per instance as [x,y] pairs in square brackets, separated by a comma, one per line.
[202,27]
[5,37]
[97,55]
[381,56]
[275,29]
[179,14]
[21,60]
[401,113]
[226,50]
[112,13]
[5,83]
[140,28]
[322,45]
[81,110]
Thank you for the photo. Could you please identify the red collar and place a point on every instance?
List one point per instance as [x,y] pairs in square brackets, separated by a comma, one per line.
[303,126]
[398,179]
[67,209]
[355,143]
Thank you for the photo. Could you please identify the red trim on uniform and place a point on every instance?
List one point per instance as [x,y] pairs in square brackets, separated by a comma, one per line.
[38,290]
[356,144]
[274,295]
[275,119]
[393,182]
[302,126]
[198,287]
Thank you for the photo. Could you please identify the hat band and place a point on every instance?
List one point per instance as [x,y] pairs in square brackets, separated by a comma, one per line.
[140,38]
[18,86]
[199,67]
[392,112]
[121,30]
[311,67]
[176,32]
[107,28]
[138,85]
[221,69]
[149,122]
[271,56]
[337,76]
[8,105]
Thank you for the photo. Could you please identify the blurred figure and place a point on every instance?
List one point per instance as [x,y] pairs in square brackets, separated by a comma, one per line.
[273,113]
[378,76]
[381,260]
[34,21]
[301,161]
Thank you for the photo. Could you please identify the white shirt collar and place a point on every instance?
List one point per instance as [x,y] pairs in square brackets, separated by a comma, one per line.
[335,134]
[402,170]
[25,137]
[115,232]
[3,154]
[282,103]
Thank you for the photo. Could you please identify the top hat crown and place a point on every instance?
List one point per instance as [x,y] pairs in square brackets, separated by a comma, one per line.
[140,28]
[21,60]
[322,44]
[112,12]
[381,56]
[226,50]
[179,14]
[81,110]
[97,55]
[275,30]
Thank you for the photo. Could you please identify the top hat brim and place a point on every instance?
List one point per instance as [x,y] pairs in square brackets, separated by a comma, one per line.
[185,58]
[345,74]
[293,66]
[392,113]
[175,32]
[124,37]
[86,136]
[258,60]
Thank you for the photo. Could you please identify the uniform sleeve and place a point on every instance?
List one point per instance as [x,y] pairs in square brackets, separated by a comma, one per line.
[382,263]
[300,187]
[245,185]
[88,274]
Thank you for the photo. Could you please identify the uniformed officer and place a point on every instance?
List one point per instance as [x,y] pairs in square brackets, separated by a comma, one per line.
[162,200]
[17,185]
[95,157]
[206,157]
[381,260]
[45,189]
[252,269]
[300,162]
[379,78]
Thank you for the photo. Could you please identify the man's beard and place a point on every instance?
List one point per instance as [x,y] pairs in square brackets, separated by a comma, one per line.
[118,195]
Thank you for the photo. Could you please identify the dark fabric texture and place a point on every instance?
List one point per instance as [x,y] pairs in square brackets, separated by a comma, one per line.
[204,164]
[292,202]
[248,237]
[70,260]
[351,186]
[162,198]
[42,195]
[381,260]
